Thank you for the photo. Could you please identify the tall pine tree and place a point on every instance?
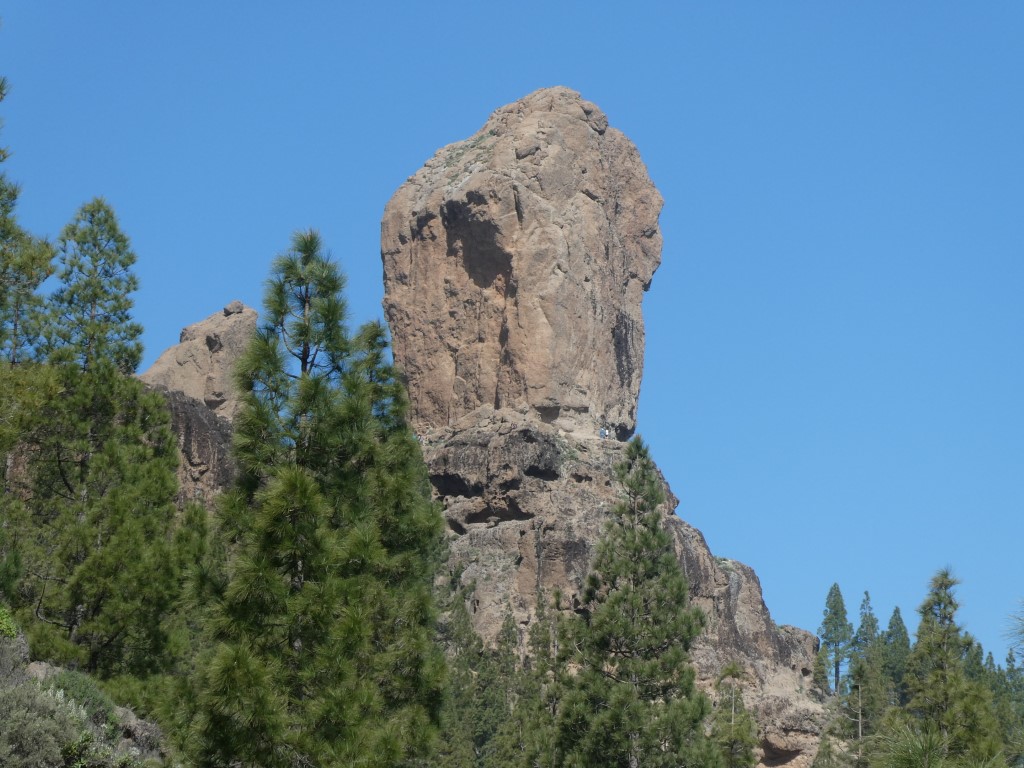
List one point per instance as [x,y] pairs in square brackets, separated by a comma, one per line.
[94,534]
[836,632]
[25,262]
[942,697]
[896,650]
[319,608]
[632,701]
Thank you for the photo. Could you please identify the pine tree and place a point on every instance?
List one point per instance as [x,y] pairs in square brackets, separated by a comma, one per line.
[94,537]
[867,700]
[632,701]
[869,692]
[91,310]
[836,632]
[1007,685]
[318,587]
[896,650]
[483,686]
[733,729]
[941,694]
[867,629]
[25,262]
[527,737]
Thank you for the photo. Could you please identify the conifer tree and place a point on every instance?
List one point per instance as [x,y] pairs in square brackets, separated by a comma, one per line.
[733,729]
[91,310]
[836,632]
[483,686]
[527,737]
[94,538]
[867,629]
[868,691]
[867,700]
[318,587]
[633,701]
[942,697]
[25,262]
[896,650]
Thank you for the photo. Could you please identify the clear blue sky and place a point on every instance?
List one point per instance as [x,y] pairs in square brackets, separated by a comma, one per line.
[834,383]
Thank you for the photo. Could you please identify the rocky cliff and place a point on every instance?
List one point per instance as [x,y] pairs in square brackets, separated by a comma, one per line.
[200,365]
[514,263]
[195,376]
[514,266]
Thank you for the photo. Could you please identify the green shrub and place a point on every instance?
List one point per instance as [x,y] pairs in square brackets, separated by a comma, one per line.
[83,690]
[34,729]
[7,626]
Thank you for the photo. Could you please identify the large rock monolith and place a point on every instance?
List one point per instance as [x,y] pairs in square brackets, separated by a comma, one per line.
[514,267]
[514,264]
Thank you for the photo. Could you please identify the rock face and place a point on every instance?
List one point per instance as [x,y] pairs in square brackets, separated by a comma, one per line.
[195,377]
[514,263]
[514,267]
[204,447]
[201,364]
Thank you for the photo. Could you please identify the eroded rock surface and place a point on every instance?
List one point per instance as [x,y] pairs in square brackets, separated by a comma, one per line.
[195,376]
[515,263]
[201,364]
[526,503]
[205,467]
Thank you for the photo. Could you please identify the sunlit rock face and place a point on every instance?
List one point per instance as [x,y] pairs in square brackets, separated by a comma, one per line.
[197,376]
[201,365]
[514,266]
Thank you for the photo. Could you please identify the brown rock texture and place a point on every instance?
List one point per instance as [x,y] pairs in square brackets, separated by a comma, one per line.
[204,448]
[195,376]
[514,264]
[201,364]
[514,267]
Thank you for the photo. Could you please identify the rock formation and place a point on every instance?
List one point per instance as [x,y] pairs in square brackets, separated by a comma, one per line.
[201,364]
[514,267]
[514,264]
[205,467]
[195,376]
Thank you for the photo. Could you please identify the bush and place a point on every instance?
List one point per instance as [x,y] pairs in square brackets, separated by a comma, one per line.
[7,626]
[34,729]
[99,708]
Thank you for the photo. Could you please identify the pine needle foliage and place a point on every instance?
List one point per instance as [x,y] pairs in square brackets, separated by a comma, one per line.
[836,633]
[317,588]
[90,528]
[91,310]
[632,701]
[942,695]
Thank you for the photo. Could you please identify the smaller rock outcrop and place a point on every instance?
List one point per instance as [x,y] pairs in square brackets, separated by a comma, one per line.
[195,376]
[201,365]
